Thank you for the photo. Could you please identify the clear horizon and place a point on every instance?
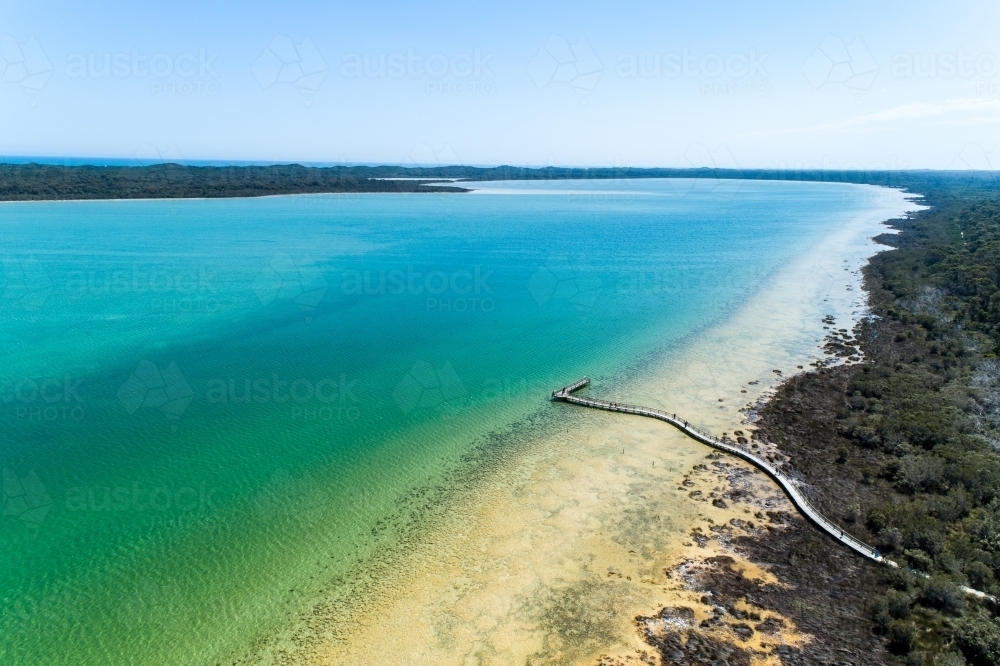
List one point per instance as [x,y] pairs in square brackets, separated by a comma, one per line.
[773,86]
[62,160]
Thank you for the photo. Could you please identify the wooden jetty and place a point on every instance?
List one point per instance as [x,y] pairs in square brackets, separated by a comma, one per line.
[565,394]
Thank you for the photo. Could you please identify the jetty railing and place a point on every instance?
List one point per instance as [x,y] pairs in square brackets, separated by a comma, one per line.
[565,394]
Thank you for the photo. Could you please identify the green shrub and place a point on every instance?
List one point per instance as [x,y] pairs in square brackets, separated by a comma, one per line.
[919,560]
[877,520]
[898,604]
[878,608]
[980,576]
[901,636]
[890,539]
[950,659]
[979,640]
[939,592]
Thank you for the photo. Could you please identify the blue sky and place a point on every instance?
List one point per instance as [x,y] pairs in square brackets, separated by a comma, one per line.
[649,83]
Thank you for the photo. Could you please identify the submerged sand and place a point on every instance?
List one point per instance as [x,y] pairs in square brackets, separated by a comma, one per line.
[599,524]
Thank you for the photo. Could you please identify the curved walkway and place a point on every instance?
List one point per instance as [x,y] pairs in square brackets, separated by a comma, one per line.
[565,394]
[801,503]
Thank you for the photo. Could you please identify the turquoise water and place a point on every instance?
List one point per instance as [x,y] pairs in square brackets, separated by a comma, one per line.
[210,407]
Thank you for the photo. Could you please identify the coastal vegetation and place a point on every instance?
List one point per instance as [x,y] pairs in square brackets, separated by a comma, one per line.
[904,447]
[34,182]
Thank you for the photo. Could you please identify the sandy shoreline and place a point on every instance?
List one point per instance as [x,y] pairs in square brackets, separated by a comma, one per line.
[596,526]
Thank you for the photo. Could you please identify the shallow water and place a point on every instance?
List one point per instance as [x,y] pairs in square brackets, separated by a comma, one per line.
[219,414]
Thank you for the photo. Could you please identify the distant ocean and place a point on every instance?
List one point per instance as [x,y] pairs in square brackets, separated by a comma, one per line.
[212,409]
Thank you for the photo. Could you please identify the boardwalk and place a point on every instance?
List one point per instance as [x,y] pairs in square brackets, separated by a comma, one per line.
[565,394]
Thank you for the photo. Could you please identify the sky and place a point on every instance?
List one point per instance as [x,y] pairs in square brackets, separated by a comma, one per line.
[804,84]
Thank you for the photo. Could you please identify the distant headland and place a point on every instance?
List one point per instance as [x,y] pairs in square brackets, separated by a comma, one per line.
[40,182]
